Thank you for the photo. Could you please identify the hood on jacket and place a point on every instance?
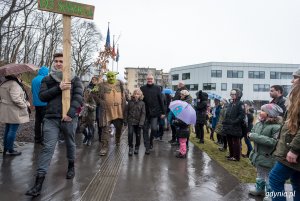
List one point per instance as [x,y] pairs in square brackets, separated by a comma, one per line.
[44,70]
[203,96]
[239,93]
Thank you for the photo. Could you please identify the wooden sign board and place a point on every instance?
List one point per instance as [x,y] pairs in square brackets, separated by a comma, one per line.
[67,8]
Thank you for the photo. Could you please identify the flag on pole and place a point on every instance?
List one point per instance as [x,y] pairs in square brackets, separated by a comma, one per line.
[114,49]
[118,55]
[107,43]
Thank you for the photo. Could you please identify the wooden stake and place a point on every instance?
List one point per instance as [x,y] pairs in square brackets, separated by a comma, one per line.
[66,94]
[68,9]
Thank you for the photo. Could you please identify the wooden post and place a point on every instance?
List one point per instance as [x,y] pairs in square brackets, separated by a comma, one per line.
[68,9]
[66,94]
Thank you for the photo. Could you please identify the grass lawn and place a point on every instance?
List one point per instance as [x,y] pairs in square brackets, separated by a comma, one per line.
[243,169]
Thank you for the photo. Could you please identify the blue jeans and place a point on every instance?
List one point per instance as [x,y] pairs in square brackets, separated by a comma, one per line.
[150,123]
[10,134]
[249,145]
[277,178]
[137,130]
[51,131]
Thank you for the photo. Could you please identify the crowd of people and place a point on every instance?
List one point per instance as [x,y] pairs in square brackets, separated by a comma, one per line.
[273,141]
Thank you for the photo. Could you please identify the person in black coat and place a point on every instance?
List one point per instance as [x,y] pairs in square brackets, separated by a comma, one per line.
[201,109]
[276,92]
[183,133]
[169,99]
[161,121]
[181,87]
[232,124]
[154,110]
[54,123]
[134,117]
[246,129]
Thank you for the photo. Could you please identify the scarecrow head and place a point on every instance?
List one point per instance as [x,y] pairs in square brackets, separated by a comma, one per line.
[111,77]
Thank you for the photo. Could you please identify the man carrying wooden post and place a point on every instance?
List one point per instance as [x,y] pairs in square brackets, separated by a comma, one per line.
[62,90]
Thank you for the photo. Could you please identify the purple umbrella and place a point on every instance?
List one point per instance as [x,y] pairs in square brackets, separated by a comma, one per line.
[183,111]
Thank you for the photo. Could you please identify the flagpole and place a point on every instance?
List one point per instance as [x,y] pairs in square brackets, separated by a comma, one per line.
[117,58]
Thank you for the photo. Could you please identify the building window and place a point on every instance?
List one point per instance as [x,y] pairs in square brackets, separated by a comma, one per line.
[256,74]
[209,86]
[274,75]
[235,74]
[281,75]
[194,87]
[185,76]
[223,86]
[261,87]
[286,89]
[237,86]
[286,75]
[175,77]
[187,86]
[216,73]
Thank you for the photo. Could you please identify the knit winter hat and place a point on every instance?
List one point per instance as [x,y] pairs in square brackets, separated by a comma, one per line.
[297,73]
[185,92]
[273,110]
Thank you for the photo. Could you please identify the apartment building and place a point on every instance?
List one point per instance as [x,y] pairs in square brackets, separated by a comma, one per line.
[136,77]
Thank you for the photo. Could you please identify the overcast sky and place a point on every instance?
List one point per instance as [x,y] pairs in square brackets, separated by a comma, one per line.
[171,33]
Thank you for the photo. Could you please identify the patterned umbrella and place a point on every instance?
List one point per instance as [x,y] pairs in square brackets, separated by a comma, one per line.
[183,111]
[213,96]
[14,69]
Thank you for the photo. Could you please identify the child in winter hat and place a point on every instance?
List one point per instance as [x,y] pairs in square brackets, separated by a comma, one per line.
[264,135]
[270,110]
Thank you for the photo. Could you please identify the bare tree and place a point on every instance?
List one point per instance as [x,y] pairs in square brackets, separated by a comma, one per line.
[31,36]
[7,9]
[85,44]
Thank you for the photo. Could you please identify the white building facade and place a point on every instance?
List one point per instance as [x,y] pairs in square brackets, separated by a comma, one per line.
[254,79]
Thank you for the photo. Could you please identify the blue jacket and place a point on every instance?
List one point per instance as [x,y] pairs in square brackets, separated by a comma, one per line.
[36,85]
[216,116]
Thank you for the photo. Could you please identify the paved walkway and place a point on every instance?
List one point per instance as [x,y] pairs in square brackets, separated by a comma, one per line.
[117,177]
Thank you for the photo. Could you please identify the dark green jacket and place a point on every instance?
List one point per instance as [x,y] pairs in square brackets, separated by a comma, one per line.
[288,142]
[264,136]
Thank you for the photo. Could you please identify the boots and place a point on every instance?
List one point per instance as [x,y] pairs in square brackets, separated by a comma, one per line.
[269,190]
[259,189]
[130,151]
[147,151]
[211,137]
[85,133]
[71,170]
[104,148]
[179,155]
[136,150]
[11,153]
[117,140]
[36,189]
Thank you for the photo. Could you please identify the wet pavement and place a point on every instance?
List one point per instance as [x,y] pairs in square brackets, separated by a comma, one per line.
[117,177]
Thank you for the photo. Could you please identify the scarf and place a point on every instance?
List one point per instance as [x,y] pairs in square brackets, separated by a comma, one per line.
[57,74]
